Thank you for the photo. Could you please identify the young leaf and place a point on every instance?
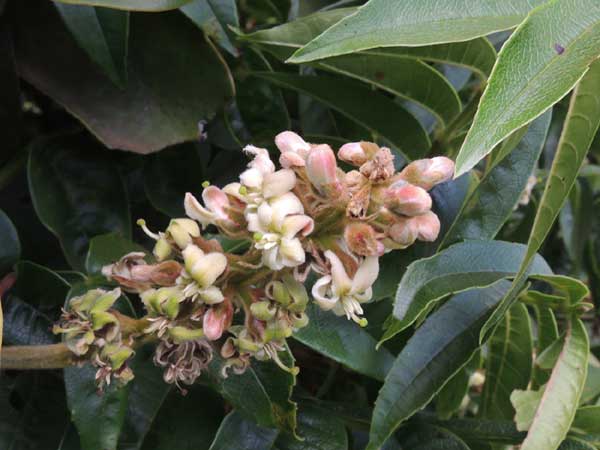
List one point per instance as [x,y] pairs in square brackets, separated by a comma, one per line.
[132,5]
[583,119]
[437,350]
[103,33]
[560,398]
[370,109]
[508,363]
[340,340]
[59,187]
[238,433]
[495,197]
[392,23]
[10,246]
[549,61]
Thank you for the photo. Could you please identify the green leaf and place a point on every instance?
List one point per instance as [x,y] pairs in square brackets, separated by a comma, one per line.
[437,350]
[451,396]
[479,431]
[587,419]
[64,174]
[319,430]
[591,389]
[165,95]
[560,399]
[508,363]
[576,222]
[547,333]
[525,404]
[392,23]
[459,267]
[550,51]
[495,197]
[186,422]
[132,5]
[107,249]
[238,433]
[104,35]
[98,418]
[214,17]
[340,339]
[40,287]
[10,246]
[573,443]
[580,126]
[374,111]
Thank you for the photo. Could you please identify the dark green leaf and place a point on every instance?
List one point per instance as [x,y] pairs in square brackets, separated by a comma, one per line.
[166,93]
[214,17]
[374,111]
[132,5]
[342,341]
[437,350]
[107,249]
[392,23]
[103,33]
[238,433]
[64,176]
[587,419]
[40,286]
[10,246]
[547,333]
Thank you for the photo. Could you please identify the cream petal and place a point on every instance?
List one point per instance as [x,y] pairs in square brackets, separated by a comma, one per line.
[216,201]
[288,141]
[341,282]
[319,293]
[252,178]
[254,223]
[196,211]
[364,297]
[191,255]
[270,258]
[283,206]
[365,275]
[294,224]
[278,183]
[211,295]
[265,215]
[262,161]
[208,268]
[292,252]
[233,189]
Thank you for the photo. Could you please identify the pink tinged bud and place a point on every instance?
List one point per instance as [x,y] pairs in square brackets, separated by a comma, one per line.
[217,319]
[360,238]
[407,199]
[321,168]
[289,159]
[404,232]
[426,173]
[294,149]
[428,226]
[353,153]
[278,183]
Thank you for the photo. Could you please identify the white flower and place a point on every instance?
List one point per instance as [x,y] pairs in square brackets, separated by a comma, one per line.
[342,295]
[276,224]
[201,272]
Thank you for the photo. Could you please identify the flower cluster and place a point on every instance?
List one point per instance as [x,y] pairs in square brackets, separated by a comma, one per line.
[308,216]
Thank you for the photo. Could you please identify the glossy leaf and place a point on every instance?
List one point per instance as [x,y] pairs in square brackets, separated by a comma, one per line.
[132,5]
[583,119]
[508,363]
[559,401]
[437,350]
[374,111]
[10,246]
[107,249]
[392,23]
[547,333]
[103,33]
[58,189]
[493,200]
[550,51]
[339,339]
[238,433]
[165,95]
[461,266]
[214,17]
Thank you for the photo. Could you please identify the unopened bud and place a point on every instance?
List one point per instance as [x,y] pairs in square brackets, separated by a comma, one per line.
[406,199]
[294,149]
[360,238]
[162,249]
[321,168]
[428,226]
[357,153]
[183,231]
[404,232]
[426,173]
[217,319]
[279,293]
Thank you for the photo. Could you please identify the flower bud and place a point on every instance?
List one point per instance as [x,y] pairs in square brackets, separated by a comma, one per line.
[183,231]
[294,149]
[279,293]
[217,319]
[360,238]
[297,293]
[426,173]
[162,249]
[406,199]
[357,153]
[204,268]
[404,232]
[428,226]
[321,168]
[277,330]
[263,310]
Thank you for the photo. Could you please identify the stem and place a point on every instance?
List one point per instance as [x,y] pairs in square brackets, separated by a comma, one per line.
[22,357]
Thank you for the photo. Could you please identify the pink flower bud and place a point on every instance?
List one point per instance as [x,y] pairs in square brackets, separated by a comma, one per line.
[353,153]
[428,226]
[407,199]
[404,232]
[426,173]
[321,168]
[217,319]
[294,149]
[360,238]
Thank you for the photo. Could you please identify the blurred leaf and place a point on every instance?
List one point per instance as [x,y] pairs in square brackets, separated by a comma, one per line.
[186,422]
[40,287]
[64,175]
[437,350]
[317,429]
[238,433]
[459,267]
[561,395]
[103,33]
[374,111]
[491,203]
[591,389]
[525,403]
[581,124]
[10,97]
[587,419]
[344,342]
[98,418]
[391,23]
[214,17]
[24,324]
[10,246]
[107,249]
[575,222]
[166,92]
[547,333]
[508,363]
[451,396]
[550,60]
[132,5]
[480,431]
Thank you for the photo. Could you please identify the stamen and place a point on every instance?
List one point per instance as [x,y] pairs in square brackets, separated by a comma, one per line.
[142,224]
